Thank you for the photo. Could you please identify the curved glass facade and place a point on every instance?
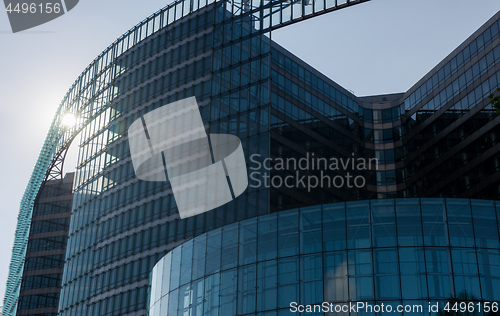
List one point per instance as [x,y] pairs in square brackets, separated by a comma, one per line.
[91,95]
[391,251]
[246,85]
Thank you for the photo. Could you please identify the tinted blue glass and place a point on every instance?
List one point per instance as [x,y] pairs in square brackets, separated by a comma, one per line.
[288,280]
[409,222]
[186,262]
[311,279]
[489,269]
[228,290]
[413,278]
[386,270]
[438,265]
[214,247]
[360,275]
[358,225]
[176,268]
[173,302]
[460,223]
[197,298]
[384,223]
[248,242]
[485,224]
[288,235]
[466,273]
[199,254]
[247,282]
[268,237]
[433,222]
[229,246]
[334,227]
[212,289]
[184,300]
[336,284]
[387,274]
[310,230]
[267,285]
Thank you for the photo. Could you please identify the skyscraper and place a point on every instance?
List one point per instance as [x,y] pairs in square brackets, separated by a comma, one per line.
[45,256]
[302,232]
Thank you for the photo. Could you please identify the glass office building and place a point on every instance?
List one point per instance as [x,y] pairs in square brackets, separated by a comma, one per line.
[390,251]
[45,256]
[382,241]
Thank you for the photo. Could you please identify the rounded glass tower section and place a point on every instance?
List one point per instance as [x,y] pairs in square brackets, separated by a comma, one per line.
[394,252]
[121,226]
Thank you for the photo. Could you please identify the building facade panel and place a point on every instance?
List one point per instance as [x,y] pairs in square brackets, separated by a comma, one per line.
[275,243]
[341,253]
[44,263]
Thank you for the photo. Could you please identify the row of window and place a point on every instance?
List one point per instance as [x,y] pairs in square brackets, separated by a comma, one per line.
[454,65]
[299,93]
[239,51]
[457,135]
[45,262]
[55,189]
[382,116]
[462,82]
[52,207]
[92,167]
[38,301]
[141,189]
[462,170]
[232,104]
[47,243]
[49,225]
[337,277]
[41,281]
[167,38]
[291,249]
[87,202]
[231,81]
[342,98]
[159,235]
[167,232]
[292,110]
[165,61]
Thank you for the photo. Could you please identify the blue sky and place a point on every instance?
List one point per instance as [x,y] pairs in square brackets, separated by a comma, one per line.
[382,46]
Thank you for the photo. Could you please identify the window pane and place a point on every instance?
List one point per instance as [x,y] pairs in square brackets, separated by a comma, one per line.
[310,230]
[248,241]
[409,222]
[413,279]
[466,274]
[489,267]
[334,228]
[267,290]
[312,279]
[485,224]
[433,222]
[288,227]
[358,225]
[384,223]
[360,275]
[460,223]
[386,274]
[268,237]
[288,280]
[438,273]
[336,287]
